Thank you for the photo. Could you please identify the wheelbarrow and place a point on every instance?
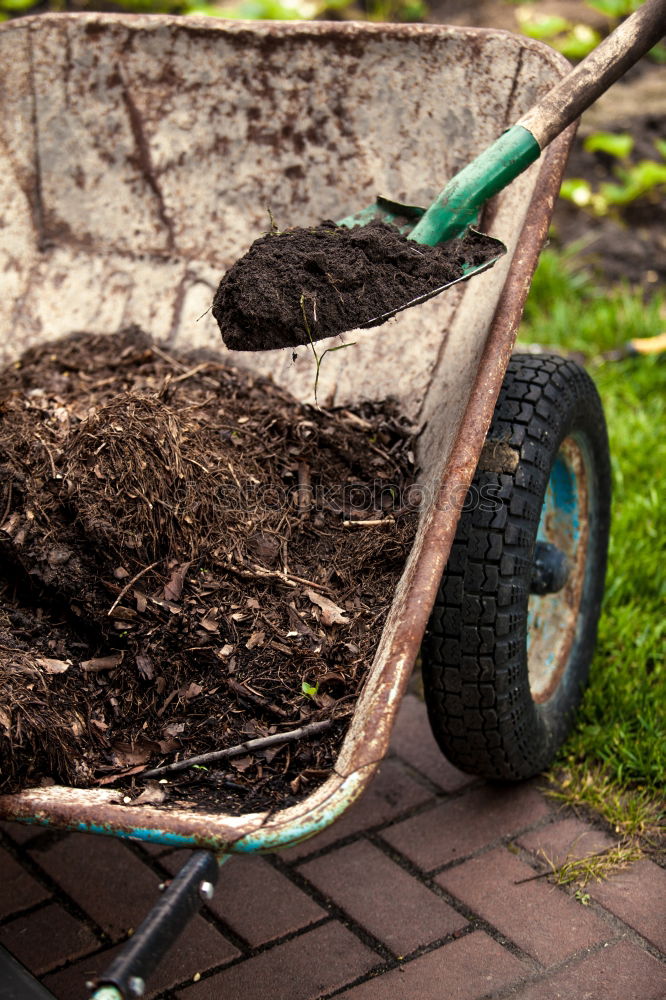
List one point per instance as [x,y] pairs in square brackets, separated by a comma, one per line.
[138,156]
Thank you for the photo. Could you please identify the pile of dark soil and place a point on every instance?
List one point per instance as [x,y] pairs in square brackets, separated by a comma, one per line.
[302,285]
[187,565]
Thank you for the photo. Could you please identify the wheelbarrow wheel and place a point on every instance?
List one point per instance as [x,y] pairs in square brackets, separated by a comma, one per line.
[509,643]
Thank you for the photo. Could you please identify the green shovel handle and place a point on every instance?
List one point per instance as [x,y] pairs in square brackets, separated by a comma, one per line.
[458,205]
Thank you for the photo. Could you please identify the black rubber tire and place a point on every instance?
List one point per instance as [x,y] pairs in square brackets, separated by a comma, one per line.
[474,655]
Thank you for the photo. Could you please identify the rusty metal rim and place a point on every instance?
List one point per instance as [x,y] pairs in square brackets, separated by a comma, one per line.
[554,617]
[204,24]
[367,743]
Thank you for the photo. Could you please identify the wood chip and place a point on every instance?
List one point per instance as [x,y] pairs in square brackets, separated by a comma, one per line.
[331,614]
[99,663]
[256,639]
[53,666]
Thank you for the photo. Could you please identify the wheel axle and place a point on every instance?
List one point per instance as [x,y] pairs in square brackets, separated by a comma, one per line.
[551,569]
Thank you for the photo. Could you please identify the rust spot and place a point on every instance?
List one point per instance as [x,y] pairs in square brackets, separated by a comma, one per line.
[295,173]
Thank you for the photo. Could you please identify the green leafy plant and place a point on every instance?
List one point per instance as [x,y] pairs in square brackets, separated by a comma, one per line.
[615,8]
[573,40]
[633,180]
[618,144]
[576,39]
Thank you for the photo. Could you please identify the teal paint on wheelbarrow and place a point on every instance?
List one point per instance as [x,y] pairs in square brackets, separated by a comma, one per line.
[267,837]
[560,524]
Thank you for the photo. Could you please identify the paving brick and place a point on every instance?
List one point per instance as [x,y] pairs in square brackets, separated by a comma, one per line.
[569,839]
[412,740]
[255,900]
[200,947]
[108,881]
[463,825]
[617,972]
[395,907]
[313,963]
[462,970]
[540,918]
[637,895]
[390,793]
[46,938]
[18,890]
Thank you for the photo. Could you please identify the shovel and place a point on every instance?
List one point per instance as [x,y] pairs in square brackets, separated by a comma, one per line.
[457,207]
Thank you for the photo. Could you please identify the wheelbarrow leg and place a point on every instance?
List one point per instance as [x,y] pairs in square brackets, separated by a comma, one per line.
[126,976]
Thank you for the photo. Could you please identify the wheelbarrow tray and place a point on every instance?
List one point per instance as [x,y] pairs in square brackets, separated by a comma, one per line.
[137,159]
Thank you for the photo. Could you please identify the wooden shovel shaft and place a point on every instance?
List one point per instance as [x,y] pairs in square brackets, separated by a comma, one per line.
[595,74]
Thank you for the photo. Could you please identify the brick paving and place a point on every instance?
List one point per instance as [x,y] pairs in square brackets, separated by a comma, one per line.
[424,889]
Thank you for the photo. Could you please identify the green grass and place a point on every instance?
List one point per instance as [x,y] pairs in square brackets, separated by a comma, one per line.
[619,743]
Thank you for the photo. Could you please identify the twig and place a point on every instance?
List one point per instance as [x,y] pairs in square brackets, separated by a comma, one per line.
[259,744]
[304,486]
[131,584]
[365,524]
[8,505]
[258,699]
[193,371]
[48,452]
[259,573]
[532,878]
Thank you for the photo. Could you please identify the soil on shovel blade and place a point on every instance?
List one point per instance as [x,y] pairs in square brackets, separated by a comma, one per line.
[303,285]
[187,565]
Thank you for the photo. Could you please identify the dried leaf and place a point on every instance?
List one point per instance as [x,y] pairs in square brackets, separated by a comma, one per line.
[191,691]
[126,755]
[226,651]
[99,663]
[168,746]
[209,621]
[174,729]
[145,666]
[5,719]
[241,763]
[110,778]
[174,587]
[331,614]
[256,639]
[53,666]
[152,795]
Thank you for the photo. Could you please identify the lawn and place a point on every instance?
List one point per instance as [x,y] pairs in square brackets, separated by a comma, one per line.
[616,758]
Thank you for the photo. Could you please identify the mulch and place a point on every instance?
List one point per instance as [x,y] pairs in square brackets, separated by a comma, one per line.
[191,559]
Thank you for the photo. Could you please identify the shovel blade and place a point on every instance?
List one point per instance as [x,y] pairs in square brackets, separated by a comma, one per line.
[405,218]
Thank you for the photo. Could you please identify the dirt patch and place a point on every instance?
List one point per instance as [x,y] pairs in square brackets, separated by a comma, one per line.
[187,565]
[303,285]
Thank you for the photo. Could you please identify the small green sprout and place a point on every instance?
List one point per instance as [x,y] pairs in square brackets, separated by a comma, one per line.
[329,350]
[309,690]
